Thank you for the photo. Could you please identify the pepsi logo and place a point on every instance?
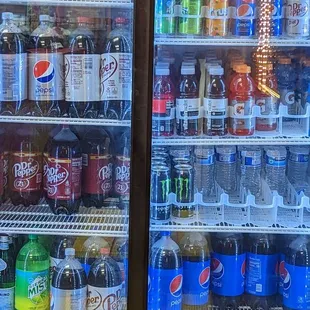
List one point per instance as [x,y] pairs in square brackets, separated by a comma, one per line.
[217,268]
[176,286]
[286,279]
[43,71]
[282,270]
[204,277]
[243,267]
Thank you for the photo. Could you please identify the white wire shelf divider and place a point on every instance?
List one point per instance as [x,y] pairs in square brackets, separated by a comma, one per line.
[106,222]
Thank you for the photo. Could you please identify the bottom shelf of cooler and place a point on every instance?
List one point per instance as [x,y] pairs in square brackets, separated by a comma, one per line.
[39,220]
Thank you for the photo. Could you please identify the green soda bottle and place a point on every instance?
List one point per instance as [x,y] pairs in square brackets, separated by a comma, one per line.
[32,277]
[7,274]
[190,22]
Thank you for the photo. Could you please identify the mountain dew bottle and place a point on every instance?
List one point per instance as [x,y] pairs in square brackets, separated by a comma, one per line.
[32,287]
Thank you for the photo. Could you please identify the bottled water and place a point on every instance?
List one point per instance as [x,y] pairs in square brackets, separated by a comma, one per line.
[251,163]
[225,168]
[204,170]
[297,164]
[275,169]
[240,148]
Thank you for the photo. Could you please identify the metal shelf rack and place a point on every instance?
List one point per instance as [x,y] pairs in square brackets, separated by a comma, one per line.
[106,222]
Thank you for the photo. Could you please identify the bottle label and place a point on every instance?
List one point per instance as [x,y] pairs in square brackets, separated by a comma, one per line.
[64,178]
[299,158]
[250,159]
[188,105]
[282,273]
[97,174]
[261,274]
[165,288]
[3,265]
[7,298]
[215,107]
[122,175]
[287,97]
[32,290]
[276,162]
[224,268]
[82,78]
[1,174]
[116,76]
[196,283]
[13,86]
[242,107]
[268,105]
[46,76]
[206,161]
[68,299]
[225,158]
[104,297]
[45,170]
[164,106]
[296,287]
[25,172]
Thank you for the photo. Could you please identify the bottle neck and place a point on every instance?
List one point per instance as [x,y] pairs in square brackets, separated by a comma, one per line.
[7,21]
[45,23]
[4,246]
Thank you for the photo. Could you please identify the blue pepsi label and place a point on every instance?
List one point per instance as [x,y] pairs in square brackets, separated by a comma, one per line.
[206,161]
[296,287]
[282,273]
[196,283]
[226,158]
[276,162]
[165,289]
[262,273]
[224,268]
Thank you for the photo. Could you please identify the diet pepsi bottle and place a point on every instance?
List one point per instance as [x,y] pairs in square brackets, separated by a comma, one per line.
[165,275]
[227,270]
[69,284]
[46,70]
[13,67]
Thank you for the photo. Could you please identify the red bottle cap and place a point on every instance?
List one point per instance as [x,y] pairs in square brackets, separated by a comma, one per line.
[105,251]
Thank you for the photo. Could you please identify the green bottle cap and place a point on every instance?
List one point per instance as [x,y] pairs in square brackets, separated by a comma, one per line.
[33,237]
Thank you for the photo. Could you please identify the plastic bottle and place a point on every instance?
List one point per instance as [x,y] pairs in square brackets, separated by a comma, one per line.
[116,73]
[2,173]
[91,251]
[69,284]
[275,169]
[196,271]
[165,275]
[304,82]
[7,274]
[121,184]
[45,73]
[298,159]
[25,167]
[215,104]
[251,164]
[82,66]
[163,115]
[104,283]
[32,284]
[225,168]
[188,103]
[242,98]
[204,170]
[13,88]
[22,23]
[296,281]
[228,262]
[64,173]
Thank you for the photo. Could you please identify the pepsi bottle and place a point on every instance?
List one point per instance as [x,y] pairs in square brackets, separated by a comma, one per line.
[261,272]
[227,270]
[165,275]
[296,281]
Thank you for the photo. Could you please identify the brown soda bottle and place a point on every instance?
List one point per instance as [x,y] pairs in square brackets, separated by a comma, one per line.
[25,167]
[64,173]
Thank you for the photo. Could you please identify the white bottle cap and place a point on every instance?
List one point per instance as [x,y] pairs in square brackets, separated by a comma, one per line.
[216,70]
[162,64]
[69,251]
[187,69]
[7,15]
[44,18]
[162,71]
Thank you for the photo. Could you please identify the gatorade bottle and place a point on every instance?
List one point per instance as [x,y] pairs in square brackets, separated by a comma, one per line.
[104,283]
[69,284]
[97,167]
[46,75]
[196,271]
[215,104]
[32,287]
[242,98]
[25,167]
[64,173]
[13,86]
[7,274]
[165,275]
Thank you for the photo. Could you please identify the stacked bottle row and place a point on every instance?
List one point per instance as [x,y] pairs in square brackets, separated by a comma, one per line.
[256,271]
[184,177]
[239,18]
[93,166]
[31,278]
[198,97]
[52,74]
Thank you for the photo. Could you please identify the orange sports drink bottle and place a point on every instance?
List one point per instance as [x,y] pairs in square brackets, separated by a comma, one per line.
[242,99]
[217,21]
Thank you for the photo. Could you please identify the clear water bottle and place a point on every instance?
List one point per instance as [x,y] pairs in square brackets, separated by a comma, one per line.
[297,165]
[240,148]
[226,168]
[275,169]
[204,170]
[251,164]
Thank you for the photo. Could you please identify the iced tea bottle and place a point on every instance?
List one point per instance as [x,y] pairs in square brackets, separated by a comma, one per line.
[242,99]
